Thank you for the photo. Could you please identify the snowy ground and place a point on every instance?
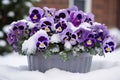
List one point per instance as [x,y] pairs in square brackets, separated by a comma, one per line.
[14,67]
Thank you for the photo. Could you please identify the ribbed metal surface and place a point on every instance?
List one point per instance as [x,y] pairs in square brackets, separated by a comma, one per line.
[81,64]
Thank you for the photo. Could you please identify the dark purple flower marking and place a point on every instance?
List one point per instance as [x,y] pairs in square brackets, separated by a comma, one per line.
[76,17]
[35,14]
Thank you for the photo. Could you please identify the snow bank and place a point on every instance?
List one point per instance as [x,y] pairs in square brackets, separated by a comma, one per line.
[103,68]
[115,33]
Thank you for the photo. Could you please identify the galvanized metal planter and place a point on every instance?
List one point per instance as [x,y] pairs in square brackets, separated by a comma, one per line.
[81,64]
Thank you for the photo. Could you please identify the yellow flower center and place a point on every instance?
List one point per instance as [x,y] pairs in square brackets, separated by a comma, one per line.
[65,39]
[47,29]
[18,32]
[89,42]
[108,49]
[99,39]
[42,45]
[49,14]
[35,17]
[59,29]
[72,39]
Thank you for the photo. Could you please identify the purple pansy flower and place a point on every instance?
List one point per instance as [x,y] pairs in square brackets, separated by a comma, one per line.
[19,28]
[70,36]
[62,13]
[49,12]
[109,45]
[89,18]
[35,14]
[61,25]
[73,8]
[42,41]
[101,32]
[76,17]
[90,40]
[12,38]
[46,24]
[81,34]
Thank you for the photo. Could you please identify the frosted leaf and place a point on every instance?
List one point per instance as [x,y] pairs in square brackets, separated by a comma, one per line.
[81,47]
[67,45]
[55,38]
[55,49]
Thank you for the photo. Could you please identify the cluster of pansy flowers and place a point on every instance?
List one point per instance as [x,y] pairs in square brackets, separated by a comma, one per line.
[71,25]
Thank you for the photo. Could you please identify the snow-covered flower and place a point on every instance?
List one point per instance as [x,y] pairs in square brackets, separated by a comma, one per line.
[63,31]
[42,40]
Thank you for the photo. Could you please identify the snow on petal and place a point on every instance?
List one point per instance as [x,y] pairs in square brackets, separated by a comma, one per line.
[55,38]
[67,45]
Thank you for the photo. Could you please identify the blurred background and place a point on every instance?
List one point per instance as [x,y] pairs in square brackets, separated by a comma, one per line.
[105,11]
